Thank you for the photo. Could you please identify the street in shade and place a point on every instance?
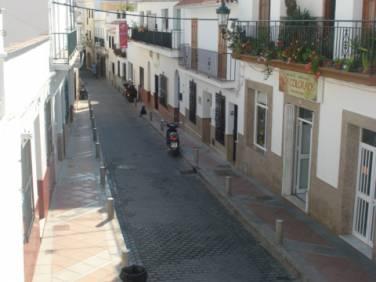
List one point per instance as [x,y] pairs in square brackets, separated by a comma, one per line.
[170,222]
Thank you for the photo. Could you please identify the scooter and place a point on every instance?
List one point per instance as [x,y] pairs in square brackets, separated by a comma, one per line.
[172,138]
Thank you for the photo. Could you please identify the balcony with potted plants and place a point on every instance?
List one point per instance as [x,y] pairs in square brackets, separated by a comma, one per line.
[344,50]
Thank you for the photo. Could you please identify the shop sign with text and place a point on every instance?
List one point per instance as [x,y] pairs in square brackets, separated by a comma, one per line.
[297,84]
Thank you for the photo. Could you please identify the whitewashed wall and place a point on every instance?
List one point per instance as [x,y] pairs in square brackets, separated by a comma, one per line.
[339,96]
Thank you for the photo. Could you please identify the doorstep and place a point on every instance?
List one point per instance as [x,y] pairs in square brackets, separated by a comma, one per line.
[358,245]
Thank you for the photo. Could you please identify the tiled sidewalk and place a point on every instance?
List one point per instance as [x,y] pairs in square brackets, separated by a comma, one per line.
[309,249]
[79,243]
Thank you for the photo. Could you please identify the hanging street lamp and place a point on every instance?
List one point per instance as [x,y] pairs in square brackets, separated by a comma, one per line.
[223,13]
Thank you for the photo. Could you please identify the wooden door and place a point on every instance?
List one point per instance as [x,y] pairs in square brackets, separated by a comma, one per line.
[329,9]
[194,43]
[264,12]
[369,10]
[222,56]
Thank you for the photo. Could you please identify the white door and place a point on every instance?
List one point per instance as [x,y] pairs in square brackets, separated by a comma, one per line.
[303,152]
[365,200]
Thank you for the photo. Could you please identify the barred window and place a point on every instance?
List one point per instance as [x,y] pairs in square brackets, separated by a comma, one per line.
[27,189]
[261,109]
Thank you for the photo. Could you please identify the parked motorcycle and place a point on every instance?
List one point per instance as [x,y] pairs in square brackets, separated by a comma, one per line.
[172,138]
[130,91]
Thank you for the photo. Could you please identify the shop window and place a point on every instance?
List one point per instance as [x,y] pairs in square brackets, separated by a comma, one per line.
[28,208]
[260,119]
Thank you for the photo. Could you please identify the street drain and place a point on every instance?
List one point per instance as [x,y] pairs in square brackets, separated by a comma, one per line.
[188,171]
[264,198]
[224,172]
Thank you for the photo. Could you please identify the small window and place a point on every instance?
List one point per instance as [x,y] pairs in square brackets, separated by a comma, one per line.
[118,67]
[261,109]
[113,68]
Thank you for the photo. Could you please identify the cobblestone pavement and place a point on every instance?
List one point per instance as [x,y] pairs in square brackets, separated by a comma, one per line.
[171,224]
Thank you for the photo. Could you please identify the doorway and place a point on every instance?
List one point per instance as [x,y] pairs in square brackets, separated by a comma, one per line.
[177,96]
[235,133]
[365,200]
[303,149]
[369,10]
[156,91]
[194,43]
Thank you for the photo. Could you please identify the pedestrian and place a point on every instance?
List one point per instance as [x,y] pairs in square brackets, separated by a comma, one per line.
[143,110]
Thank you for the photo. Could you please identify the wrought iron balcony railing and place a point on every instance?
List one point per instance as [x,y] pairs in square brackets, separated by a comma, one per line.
[219,66]
[346,45]
[63,46]
[169,40]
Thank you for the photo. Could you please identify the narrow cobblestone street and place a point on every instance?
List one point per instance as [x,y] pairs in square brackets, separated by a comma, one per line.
[171,223]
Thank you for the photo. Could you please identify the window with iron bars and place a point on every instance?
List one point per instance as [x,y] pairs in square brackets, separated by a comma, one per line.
[48,124]
[28,208]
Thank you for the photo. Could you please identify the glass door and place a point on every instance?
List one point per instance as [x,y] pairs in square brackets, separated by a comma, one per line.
[303,149]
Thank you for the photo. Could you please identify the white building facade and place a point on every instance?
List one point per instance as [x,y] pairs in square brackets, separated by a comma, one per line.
[36,95]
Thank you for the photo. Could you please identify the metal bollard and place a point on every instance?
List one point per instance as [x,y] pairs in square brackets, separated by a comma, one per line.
[150,115]
[110,208]
[93,122]
[102,173]
[279,231]
[135,102]
[97,150]
[162,124]
[95,134]
[195,157]
[228,185]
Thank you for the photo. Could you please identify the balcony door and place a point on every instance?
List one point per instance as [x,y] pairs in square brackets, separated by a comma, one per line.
[330,9]
[369,10]
[222,56]
[194,43]
[264,12]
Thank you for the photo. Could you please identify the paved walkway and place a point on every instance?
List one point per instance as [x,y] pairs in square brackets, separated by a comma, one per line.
[309,248]
[79,243]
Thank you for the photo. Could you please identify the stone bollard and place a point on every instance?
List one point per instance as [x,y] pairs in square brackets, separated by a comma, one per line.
[228,185]
[102,173]
[195,157]
[151,115]
[92,122]
[110,208]
[95,134]
[97,150]
[279,231]
[124,257]
[162,124]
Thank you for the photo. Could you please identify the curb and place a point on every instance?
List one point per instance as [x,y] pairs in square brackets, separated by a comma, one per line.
[105,192]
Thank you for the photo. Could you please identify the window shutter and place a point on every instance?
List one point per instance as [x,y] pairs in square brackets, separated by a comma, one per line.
[288,149]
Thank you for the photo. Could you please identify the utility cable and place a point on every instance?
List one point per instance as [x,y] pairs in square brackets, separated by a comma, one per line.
[132,14]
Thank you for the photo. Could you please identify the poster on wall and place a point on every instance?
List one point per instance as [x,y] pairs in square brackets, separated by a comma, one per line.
[297,84]
[123,34]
